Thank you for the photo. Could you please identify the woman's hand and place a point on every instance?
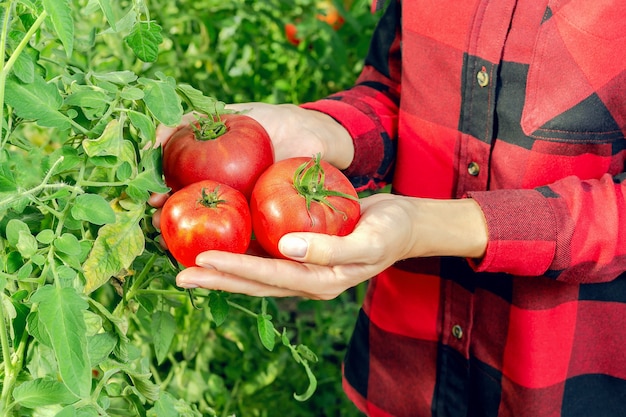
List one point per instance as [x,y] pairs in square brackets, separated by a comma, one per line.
[294,131]
[391,228]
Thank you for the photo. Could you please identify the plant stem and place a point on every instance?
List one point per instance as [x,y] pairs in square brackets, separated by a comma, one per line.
[6,66]
[9,370]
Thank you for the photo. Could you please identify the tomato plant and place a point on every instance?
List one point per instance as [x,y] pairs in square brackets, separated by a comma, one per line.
[91,323]
[232,148]
[302,195]
[203,216]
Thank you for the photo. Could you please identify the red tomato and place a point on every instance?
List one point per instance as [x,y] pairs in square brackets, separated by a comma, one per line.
[291,34]
[234,150]
[330,14]
[302,195]
[202,216]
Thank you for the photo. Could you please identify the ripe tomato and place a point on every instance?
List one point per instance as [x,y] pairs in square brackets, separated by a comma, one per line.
[302,195]
[330,14]
[234,149]
[202,216]
[291,34]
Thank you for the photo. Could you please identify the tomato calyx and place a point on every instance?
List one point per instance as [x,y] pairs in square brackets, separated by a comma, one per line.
[309,179]
[210,199]
[209,128]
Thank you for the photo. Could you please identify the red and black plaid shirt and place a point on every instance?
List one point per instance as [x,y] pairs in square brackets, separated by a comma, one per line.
[521,105]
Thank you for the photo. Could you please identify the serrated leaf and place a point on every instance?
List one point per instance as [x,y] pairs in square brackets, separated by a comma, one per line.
[149,179]
[109,143]
[41,392]
[163,328]
[219,307]
[60,13]
[94,101]
[38,101]
[198,101]
[115,248]
[61,313]
[93,208]
[265,328]
[162,101]
[143,123]
[144,39]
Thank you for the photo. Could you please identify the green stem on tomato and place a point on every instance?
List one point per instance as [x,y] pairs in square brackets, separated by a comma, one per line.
[209,128]
[309,180]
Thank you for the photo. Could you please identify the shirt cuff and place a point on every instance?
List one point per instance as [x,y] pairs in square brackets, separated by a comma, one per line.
[522,231]
[366,137]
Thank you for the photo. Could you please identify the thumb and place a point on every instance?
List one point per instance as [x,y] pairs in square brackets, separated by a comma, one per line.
[322,249]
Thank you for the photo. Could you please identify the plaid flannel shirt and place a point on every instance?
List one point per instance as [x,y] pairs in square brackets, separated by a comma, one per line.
[520,105]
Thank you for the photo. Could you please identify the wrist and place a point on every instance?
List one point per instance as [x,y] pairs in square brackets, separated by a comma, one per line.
[336,142]
[448,228]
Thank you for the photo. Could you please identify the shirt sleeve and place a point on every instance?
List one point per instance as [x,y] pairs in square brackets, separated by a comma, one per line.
[572,230]
[369,110]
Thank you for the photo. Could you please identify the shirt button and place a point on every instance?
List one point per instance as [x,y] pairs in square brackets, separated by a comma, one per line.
[473,169]
[482,77]
[457,331]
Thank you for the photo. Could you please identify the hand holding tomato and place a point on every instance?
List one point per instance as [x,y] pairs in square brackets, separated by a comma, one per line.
[391,228]
[302,195]
[293,130]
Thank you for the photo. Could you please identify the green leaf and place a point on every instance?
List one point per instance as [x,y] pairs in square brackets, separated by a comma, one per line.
[68,244]
[198,101]
[265,328]
[60,13]
[132,93]
[41,392]
[38,101]
[92,102]
[163,328]
[24,66]
[117,77]
[61,313]
[162,100]
[100,347]
[7,179]
[110,143]
[93,208]
[218,306]
[143,123]
[168,405]
[27,244]
[144,39]
[37,329]
[115,248]
[105,5]
[13,230]
[46,236]
[150,178]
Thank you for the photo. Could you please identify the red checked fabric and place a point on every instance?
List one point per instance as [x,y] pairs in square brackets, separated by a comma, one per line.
[520,105]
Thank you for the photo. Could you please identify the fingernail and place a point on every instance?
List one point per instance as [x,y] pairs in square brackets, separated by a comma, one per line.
[293,247]
[186,285]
